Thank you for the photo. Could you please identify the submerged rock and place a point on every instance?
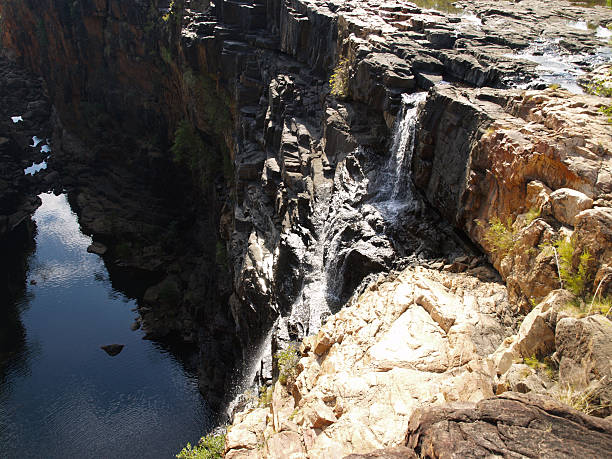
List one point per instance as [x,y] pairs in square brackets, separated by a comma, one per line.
[112,349]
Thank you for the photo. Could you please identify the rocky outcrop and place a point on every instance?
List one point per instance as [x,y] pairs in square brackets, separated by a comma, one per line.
[526,158]
[418,338]
[409,368]
[512,425]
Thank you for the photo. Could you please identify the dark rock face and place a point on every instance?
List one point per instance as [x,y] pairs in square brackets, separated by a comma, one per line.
[21,96]
[511,425]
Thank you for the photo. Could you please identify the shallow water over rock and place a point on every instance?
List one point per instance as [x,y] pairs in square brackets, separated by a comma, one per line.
[61,395]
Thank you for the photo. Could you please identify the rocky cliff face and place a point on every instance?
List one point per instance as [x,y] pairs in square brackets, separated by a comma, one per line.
[282,199]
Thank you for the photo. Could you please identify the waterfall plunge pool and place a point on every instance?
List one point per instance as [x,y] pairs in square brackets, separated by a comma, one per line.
[60,394]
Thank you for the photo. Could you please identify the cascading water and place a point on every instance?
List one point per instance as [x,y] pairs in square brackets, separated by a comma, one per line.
[395,188]
[319,295]
[350,215]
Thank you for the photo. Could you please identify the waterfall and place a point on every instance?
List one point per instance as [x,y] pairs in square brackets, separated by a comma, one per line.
[345,205]
[362,191]
[395,189]
[256,358]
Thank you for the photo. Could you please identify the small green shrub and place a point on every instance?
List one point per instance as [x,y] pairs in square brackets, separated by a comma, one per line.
[287,361]
[500,236]
[265,396]
[545,365]
[574,279]
[339,80]
[531,215]
[209,447]
[600,305]
[607,110]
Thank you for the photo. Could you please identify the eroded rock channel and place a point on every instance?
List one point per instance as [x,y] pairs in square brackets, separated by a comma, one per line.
[419,200]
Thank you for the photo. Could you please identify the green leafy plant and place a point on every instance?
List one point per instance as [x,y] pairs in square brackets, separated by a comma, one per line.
[265,396]
[501,236]
[287,361]
[209,447]
[531,215]
[573,279]
[545,365]
[339,80]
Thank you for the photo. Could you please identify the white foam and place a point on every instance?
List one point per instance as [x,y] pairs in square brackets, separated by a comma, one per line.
[16,119]
[603,32]
[35,167]
[580,25]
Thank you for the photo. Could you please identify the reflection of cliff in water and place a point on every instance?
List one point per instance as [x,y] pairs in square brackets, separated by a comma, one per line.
[16,249]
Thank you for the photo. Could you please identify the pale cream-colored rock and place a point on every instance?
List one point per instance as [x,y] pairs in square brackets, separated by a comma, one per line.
[247,431]
[538,194]
[317,414]
[244,454]
[584,349]
[286,445]
[567,204]
[418,338]
[536,335]
[282,407]
[322,343]
[520,378]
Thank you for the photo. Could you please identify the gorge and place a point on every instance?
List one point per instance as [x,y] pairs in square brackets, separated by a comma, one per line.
[388,187]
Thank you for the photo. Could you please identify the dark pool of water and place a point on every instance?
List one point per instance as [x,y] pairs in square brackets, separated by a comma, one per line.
[61,396]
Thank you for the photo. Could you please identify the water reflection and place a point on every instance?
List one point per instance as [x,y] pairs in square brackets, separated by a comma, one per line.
[60,394]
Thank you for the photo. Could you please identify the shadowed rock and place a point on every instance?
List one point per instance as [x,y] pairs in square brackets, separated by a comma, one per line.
[112,349]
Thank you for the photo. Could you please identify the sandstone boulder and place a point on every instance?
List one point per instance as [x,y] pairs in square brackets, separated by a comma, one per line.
[567,204]
[511,425]
[584,347]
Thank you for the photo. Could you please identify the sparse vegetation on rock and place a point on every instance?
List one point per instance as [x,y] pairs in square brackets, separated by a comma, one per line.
[339,80]
[209,447]
[287,361]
